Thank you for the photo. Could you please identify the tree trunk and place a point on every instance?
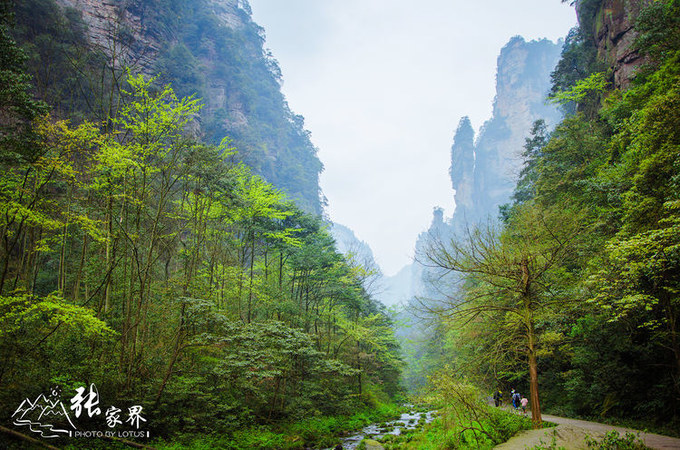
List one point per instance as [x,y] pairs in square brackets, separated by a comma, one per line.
[109,236]
[79,274]
[175,354]
[533,378]
[250,285]
[531,343]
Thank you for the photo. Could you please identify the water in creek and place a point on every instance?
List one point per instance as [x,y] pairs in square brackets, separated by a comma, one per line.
[407,421]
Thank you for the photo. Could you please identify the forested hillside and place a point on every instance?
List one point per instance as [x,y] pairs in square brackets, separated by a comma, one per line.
[166,274]
[573,296]
[483,173]
[150,268]
[212,49]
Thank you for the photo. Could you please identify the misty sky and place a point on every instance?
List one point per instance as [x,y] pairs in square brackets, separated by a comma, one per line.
[382,85]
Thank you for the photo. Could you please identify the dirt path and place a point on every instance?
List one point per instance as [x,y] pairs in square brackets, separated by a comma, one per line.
[571,433]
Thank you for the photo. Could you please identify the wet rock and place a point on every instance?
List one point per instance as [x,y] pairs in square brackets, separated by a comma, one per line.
[373,445]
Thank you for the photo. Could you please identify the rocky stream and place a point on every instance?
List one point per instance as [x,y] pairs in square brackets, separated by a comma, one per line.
[406,422]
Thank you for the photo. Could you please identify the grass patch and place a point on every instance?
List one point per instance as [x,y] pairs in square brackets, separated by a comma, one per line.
[315,432]
[614,441]
[446,431]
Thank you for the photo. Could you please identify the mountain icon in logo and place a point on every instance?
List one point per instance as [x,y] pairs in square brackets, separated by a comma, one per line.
[41,415]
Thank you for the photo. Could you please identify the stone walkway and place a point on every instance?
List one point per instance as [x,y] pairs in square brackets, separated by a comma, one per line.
[571,434]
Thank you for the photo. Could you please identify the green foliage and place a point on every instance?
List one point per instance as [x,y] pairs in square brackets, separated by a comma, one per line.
[589,88]
[533,151]
[168,274]
[657,25]
[464,419]
[20,312]
[161,268]
[578,61]
[626,272]
[67,74]
[17,139]
[613,441]
[606,329]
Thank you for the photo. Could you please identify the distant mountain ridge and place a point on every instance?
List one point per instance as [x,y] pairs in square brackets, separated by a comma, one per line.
[347,242]
[484,168]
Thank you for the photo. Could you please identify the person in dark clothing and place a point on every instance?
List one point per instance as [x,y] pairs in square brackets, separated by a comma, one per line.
[516,398]
[498,398]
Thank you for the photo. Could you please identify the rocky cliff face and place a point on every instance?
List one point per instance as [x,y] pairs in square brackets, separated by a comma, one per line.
[213,49]
[522,85]
[349,244]
[462,168]
[118,29]
[484,171]
[610,23]
[360,253]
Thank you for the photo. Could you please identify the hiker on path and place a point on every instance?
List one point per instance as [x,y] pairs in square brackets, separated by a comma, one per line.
[515,399]
[498,398]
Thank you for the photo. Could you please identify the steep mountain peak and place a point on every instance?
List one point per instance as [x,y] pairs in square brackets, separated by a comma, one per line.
[463,163]
[522,85]
[521,75]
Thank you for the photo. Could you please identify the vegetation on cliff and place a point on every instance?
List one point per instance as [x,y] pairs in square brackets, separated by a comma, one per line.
[146,257]
[604,186]
[186,44]
[158,271]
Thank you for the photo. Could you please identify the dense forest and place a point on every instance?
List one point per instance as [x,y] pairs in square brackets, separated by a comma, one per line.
[75,51]
[164,256]
[572,295]
[156,268]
